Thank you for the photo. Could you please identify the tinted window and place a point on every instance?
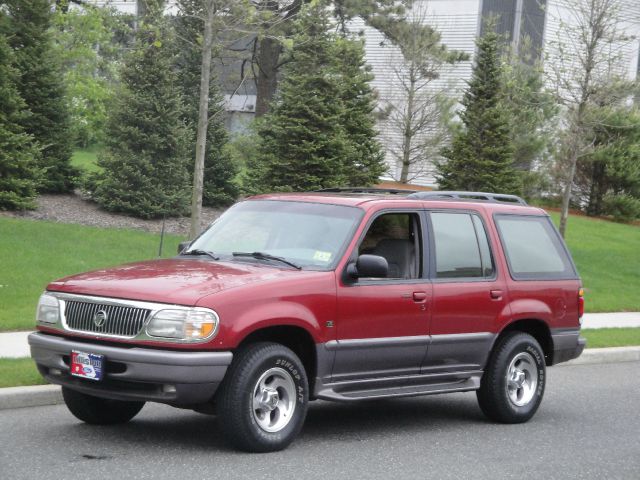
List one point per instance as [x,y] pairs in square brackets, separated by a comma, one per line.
[485,252]
[458,247]
[394,237]
[534,249]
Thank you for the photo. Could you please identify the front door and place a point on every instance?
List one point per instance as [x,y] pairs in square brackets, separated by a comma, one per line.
[383,323]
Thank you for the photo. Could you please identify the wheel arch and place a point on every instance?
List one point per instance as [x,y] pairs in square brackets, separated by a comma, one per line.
[296,338]
[538,329]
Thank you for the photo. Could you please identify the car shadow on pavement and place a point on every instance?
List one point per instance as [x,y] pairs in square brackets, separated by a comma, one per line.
[383,417]
[325,422]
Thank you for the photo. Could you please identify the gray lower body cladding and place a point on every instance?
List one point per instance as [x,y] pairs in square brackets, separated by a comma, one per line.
[176,378]
[567,344]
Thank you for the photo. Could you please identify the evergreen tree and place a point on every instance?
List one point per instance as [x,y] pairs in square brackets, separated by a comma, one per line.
[18,152]
[26,25]
[145,159]
[320,131]
[365,164]
[481,154]
[219,169]
[302,141]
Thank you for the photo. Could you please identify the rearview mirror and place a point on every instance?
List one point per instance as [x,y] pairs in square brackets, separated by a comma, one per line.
[369,266]
[183,246]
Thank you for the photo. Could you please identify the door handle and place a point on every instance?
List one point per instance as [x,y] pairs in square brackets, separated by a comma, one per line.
[496,294]
[419,296]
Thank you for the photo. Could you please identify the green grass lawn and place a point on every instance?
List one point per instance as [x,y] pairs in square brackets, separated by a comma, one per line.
[18,372]
[607,255]
[86,159]
[33,253]
[611,337]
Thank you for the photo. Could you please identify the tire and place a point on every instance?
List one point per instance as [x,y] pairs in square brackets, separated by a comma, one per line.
[99,411]
[262,402]
[513,382]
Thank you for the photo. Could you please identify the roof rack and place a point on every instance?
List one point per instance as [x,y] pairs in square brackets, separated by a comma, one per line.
[373,190]
[473,196]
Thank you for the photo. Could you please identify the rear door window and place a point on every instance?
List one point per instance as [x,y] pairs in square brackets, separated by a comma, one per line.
[533,247]
[461,246]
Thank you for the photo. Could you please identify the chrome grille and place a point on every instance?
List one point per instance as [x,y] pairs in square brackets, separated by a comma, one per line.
[120,320]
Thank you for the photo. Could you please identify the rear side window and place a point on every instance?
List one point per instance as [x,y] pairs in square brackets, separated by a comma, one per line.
[461,246]
[533,247]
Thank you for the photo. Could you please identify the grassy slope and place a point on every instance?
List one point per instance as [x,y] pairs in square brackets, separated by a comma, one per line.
[608,258]
[32,253]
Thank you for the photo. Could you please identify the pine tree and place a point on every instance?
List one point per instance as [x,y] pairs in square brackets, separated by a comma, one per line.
[320,131]
[40,84]
[365,164]
[219,169]
[145,159]
[481,154]
[303,143]
[18,152]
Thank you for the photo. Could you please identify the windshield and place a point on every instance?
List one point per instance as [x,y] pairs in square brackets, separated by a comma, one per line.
[311,235]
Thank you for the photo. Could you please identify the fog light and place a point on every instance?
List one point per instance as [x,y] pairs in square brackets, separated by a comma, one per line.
[55,371]
[168,388]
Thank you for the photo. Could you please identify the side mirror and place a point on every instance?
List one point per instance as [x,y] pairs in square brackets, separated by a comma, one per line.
[183,246]
[369,266]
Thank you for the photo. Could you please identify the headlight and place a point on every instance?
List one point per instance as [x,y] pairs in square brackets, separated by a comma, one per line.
[48,309]
[188,324]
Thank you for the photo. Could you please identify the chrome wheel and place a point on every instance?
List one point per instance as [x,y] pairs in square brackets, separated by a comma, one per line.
[274,400]
[522,379]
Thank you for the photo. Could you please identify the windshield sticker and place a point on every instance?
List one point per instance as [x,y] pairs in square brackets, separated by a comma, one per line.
[322,256]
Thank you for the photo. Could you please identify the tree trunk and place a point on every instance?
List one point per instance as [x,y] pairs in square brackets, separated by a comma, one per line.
[407,136]
[203,117]
[269,50]
[566,194]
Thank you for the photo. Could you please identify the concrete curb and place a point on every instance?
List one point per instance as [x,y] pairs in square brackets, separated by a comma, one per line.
[38,396]
[20,397]
[606,355]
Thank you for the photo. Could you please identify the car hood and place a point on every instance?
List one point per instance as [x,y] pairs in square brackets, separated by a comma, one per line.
[174,281]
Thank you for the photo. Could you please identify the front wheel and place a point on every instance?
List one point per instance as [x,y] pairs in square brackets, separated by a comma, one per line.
[262,402]
[99,411]
[513,383]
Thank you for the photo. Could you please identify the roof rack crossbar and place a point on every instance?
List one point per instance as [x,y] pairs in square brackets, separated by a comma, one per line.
[477,196]
[374,190]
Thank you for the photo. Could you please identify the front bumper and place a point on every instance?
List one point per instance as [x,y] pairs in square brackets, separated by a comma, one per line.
[176,378]
[567,345]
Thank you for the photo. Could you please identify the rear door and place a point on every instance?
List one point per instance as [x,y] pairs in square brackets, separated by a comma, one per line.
[469,293]
[383,323]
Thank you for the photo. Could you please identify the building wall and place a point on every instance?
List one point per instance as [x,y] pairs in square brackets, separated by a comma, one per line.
[458,22]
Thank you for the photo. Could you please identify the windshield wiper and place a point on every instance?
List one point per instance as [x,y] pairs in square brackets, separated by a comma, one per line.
[266,256]
[197,251]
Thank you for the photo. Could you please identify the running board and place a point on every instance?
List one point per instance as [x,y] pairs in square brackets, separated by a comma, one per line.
[353,391]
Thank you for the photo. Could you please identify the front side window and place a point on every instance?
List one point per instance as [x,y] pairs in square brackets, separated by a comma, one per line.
[461,246]
[533,247]
[395,236]
[312,235]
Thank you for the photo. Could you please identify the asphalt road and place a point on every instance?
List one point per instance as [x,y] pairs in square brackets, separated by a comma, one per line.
[587,427]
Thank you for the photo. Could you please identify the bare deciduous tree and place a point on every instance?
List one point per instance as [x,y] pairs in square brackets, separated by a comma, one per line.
[417,107]
[584,66]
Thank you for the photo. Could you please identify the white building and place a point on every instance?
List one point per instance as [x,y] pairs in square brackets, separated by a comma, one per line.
[544,22]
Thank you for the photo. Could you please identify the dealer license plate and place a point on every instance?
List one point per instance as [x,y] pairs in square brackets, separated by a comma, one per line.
[87,365]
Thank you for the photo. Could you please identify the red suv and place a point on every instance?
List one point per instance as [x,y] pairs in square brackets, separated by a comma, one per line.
[341,295]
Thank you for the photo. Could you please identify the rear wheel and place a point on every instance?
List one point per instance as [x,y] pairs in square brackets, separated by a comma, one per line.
[513,383]
[99,411]
[262,402]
